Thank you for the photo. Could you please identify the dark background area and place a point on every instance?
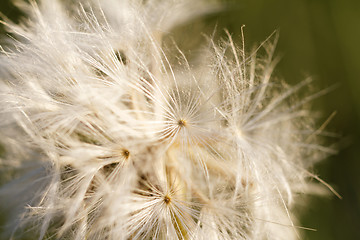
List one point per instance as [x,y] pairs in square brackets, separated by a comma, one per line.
[318,38]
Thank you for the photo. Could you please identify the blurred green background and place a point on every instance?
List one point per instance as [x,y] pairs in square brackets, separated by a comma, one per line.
[320,38]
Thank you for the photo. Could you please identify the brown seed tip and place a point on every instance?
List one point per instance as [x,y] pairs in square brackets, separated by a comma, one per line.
[126,153]
[167,199]
[182,123]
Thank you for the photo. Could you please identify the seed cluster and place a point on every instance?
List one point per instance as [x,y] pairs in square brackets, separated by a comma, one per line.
[131,140]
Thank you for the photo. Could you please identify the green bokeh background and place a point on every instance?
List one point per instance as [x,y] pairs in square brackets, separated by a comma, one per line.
[319,38]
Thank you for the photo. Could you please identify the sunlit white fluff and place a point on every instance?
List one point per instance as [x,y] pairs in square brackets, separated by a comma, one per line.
[116,140]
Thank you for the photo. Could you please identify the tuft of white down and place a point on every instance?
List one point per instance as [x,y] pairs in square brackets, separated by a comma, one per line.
[113,139]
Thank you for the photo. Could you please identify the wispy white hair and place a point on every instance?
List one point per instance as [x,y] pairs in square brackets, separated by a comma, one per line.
[114,139]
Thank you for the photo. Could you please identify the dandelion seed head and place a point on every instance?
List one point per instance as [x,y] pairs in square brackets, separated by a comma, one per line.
[114,136]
